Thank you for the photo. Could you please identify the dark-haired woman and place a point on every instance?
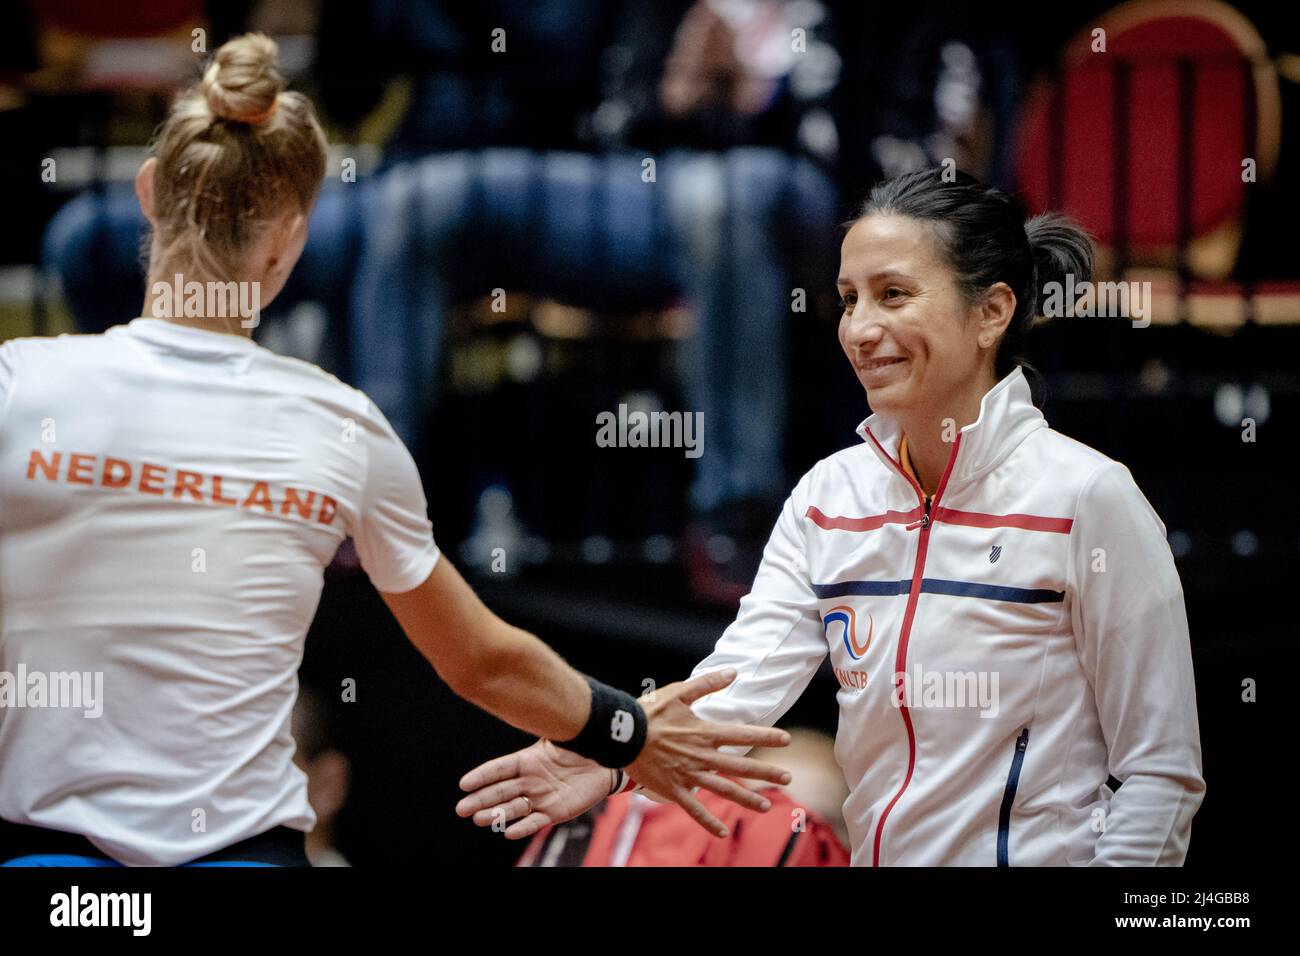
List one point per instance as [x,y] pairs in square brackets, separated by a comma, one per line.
[999,602]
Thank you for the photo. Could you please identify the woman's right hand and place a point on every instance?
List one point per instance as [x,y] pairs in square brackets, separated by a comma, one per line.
[681,751]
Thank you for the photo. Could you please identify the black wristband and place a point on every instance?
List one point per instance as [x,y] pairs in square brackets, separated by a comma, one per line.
[615,730]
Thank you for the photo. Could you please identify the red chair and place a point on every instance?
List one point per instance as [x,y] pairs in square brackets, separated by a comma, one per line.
[1144,143]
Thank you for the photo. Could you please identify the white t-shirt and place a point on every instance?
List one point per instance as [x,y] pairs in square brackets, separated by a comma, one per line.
[169,499]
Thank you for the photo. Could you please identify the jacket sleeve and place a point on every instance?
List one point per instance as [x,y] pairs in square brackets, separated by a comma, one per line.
[776,642]
[1130,630]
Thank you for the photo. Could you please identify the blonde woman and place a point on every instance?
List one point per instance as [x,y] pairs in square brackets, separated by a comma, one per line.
[170,493]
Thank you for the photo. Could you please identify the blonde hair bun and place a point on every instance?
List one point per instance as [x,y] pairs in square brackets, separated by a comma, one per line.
[237,150]
[243,82]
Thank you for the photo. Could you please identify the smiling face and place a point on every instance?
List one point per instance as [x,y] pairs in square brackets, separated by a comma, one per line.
[912,339]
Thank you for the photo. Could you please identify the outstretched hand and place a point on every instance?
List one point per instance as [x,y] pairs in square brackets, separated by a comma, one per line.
[544,784]
[681,751]
[535,788]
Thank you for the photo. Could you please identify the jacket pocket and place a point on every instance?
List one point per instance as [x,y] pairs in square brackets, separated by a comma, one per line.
[1009,797]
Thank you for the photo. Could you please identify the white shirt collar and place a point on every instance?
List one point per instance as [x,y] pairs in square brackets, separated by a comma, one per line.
[1007,415]
[189,337]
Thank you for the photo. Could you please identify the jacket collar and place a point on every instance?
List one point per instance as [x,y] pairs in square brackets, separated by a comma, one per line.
[1007,416]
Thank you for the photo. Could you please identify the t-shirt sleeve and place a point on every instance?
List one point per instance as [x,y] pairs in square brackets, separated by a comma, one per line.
[393,534]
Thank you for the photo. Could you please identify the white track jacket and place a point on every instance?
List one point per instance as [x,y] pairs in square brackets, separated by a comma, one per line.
[1000,650]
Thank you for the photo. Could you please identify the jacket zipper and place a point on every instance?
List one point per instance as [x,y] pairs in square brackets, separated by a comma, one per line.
[914,594]
[1009,797]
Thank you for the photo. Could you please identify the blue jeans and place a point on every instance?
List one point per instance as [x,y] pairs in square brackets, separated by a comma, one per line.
[95,246]
[714,228]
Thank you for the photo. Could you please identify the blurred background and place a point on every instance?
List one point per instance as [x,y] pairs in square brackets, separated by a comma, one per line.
[540,210]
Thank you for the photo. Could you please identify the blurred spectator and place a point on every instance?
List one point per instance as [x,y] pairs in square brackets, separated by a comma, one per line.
[804,827]
[698,173]
[929,81]
[328,775]
[463,86]
[92,246]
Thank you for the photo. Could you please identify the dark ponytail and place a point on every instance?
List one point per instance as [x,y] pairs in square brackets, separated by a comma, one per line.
[985,239]
[1060,249]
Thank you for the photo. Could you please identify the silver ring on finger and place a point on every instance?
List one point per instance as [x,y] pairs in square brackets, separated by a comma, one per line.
[530,805]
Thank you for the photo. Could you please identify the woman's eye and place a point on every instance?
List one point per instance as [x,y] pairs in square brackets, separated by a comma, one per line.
[847,302]
[889,293]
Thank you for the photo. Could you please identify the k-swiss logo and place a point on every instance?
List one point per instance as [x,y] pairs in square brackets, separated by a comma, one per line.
[620,727]
[994,553]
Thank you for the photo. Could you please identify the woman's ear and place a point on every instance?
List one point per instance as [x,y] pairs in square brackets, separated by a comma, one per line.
[144,187]
[296,228]
[276,253]
[995,314]
[288,236]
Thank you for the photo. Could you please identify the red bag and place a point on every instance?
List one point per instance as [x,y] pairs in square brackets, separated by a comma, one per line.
[632,830]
